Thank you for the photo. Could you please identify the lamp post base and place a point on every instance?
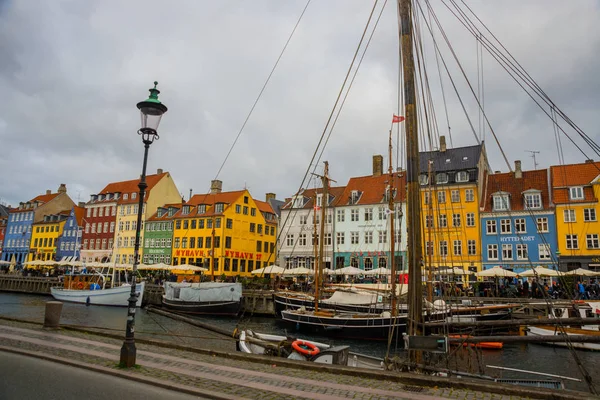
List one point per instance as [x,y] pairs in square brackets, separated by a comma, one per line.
[128,354]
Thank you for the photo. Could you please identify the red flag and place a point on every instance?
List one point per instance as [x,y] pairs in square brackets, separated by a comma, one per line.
[397,118]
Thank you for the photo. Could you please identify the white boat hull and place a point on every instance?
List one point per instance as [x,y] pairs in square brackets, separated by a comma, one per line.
[116,296]
[539,331]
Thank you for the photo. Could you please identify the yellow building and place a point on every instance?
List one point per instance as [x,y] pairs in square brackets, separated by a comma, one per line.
[575,193]
[451,190]
[228,232]
[44,236]
[161,190]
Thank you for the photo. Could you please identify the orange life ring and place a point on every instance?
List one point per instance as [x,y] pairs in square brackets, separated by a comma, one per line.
[80,285]
[306,348]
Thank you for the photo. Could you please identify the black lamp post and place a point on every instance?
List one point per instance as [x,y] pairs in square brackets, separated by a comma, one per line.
[151,111]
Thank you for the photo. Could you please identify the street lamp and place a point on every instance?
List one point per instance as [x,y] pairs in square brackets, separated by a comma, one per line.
[151,111]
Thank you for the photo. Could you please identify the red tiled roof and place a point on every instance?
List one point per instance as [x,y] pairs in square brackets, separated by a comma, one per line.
[372,189]
[44,198]
[79,213]
[506,182]
[561,196]
[130,187]
[310,194]
[574,174]
[263,206]
[165,216]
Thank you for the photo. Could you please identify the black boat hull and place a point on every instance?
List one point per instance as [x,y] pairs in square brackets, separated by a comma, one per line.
[206,308]
[283,302]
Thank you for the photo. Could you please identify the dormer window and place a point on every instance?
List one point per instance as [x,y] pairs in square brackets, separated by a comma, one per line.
[161,212]
[101,197]
[298,202]
[462,176]
[319,200]
[201,208]
[442,177]
[576,193]
[219,207]
[533,200]
[185,210]
[501,202]
[125,196]
[133,196]
[354,196]
[386,197]
[117,196]
[171,211]
[423,179]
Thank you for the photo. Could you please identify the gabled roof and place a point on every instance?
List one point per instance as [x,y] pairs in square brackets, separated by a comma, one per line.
[372,189]
[455,159]
[310,194]
[79,213]
[129,187]
[44,198]
[264,207]
[165,216]
[210,198]
[574,174]
[508,183]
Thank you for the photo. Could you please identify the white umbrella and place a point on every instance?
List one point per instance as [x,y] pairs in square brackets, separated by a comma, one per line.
[540,271]
[299,271]
[348,271]
[161,266]
[379,271]
[271,269]
[452,271]
[188,267]
[328,271]
[4,262]
[582,272]
[33,262]
[496,271]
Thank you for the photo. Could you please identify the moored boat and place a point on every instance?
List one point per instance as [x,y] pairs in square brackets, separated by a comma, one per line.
[91,289]
[214,298]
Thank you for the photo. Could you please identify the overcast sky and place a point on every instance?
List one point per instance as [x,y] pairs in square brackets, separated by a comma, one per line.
[71,73]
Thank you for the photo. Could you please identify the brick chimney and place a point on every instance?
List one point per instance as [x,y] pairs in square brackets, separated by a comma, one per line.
[270,196]
[377,165]
[81,204]
[159,171]
[62,188]
[442,144]
[216,186]
[518,171]
[48,191]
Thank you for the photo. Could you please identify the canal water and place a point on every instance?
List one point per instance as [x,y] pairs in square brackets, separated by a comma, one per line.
[531,357]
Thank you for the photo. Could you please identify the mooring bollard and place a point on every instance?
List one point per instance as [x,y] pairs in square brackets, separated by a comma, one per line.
[52,316]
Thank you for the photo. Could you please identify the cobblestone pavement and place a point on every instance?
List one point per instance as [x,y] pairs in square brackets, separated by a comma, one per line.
[216,376]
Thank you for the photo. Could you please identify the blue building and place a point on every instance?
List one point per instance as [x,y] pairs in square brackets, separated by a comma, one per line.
[518,227]
[17,238]
[69,243]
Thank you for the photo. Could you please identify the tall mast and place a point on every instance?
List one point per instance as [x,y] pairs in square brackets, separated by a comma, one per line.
[392,221]
[324,198]
[429,253]
[415,252]
[317,265]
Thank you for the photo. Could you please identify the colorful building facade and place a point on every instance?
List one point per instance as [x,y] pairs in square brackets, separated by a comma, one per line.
[3,221]
[68,245]
[158,235]
[518,226]
[44,237]
[575,193]
[229,233]
[451,190]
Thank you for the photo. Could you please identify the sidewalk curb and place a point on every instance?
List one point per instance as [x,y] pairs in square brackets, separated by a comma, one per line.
[121,374]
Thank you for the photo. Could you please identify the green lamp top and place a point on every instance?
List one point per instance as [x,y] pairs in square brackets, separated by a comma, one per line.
[154,94]
[152,103]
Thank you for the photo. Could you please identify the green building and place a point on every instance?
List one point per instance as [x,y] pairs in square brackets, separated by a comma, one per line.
[158,235]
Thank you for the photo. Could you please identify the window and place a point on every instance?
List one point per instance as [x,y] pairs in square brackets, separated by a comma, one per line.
[253,214]
[592,241]
[101,212]
[340,237]
[368,237]
[589,214]
[112,226]
[426,197]
[441,197]
[218,208]
[441,178]
[456,220]
[354,196]
[315,239]
[382,237]
[520,225]
[458,247]
[544,251]
[383,212]
[455,196]
[429,221]
[505,226]
[252,227]
[469,195]
[290,240]
[533,200]
[95,214]
[442,221]
[572,242]
[492,251]
[341,215]
[302,239]
[238,209]
[209,223]
[175,245]
[501,202]
[542,224]
[470,219]
[576,193]
[208,242]
[368,263]
[227,242]
[303,219]
[507,252]
[368,214]
[569,215]
[472,247]
[217,242]
[259,229]
[423,179]
[522,253]
[229,224]
[317,218]
[354,215]
[328,240]
[429,248]
[462,176]
[245,210]
[200,224]
[443,248]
